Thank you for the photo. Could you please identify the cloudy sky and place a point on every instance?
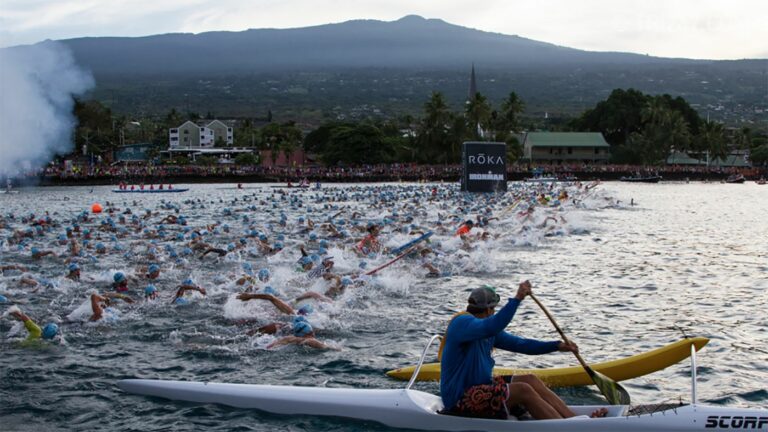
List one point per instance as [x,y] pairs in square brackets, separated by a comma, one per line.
[713,29]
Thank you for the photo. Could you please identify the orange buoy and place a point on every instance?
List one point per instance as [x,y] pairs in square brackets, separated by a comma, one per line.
[96,208]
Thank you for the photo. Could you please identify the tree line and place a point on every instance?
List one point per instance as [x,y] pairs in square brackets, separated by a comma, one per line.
[641,129]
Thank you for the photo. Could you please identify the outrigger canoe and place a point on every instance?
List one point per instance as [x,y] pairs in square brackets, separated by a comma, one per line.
[150,190]
[413,409]
[618,370]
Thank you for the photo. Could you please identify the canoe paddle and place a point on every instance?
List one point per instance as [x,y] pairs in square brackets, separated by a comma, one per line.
[613,392]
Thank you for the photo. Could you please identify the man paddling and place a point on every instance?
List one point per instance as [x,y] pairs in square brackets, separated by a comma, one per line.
[466,382]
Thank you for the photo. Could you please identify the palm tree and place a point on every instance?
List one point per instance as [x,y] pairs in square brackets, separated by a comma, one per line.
[433,128]
[712,139]
[511,108]
[478,114]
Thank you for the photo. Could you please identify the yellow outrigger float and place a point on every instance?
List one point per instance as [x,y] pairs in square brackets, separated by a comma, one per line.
[618,370]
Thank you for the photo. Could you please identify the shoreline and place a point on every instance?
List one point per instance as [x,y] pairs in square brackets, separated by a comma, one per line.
[248,179]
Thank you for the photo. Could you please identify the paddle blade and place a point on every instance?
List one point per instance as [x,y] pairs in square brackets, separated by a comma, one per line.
[613,391]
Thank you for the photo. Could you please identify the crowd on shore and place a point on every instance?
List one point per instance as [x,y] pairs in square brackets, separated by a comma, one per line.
[381,172]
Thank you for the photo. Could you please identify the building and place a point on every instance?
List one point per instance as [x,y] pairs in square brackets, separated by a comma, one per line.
[194,139]
[565,147]
[203,134]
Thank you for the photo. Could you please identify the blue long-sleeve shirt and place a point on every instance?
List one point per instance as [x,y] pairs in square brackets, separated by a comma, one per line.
[467,360]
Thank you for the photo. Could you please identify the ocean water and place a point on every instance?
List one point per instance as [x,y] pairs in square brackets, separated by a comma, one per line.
[619,278]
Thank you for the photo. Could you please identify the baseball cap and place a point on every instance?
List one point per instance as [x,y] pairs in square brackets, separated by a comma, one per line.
[484,297]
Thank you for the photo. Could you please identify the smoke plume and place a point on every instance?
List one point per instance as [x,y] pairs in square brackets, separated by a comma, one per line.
[37,85]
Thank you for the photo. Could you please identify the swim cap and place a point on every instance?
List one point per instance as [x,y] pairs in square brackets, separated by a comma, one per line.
[50,331]
[305,310]
[35,251]
[314,257]
[346,281]
[153,268]
[243,241]
[269,290]
[301,328]
[313,236]
[73,267]
[100,246]
[230,247]
[181,301]
[305,260]
[322,251]
[363,264]
[262,237]
[118,277]
[3,299]
[278,245]
[263,274]
[188,282]
[149,290]
[248,268]
[484,297]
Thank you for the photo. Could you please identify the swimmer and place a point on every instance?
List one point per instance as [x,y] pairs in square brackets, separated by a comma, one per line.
[47,333]
[99,303]
[187,285]
[73,272]
[303,335]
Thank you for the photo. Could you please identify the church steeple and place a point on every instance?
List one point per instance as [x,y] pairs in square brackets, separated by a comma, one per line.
[472,85]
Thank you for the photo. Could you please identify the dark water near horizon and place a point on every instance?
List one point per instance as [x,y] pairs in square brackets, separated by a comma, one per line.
[625,279]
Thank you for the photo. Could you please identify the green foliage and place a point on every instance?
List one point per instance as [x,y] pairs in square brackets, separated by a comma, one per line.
[246,159]
[205,161]
[359,144]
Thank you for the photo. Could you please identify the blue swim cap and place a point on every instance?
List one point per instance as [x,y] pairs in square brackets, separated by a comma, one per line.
[264,274]
[188,282]
[280,237]
[3,299]
[363,264]
[181,301]
[153,268]
[73,267]
[346,281]
[262,237]
[322,251]
[50,331]
[35,250]
[248,268]
[269,290]
[186,251]
[305,260]
[278,245]
[324,244]
[243,240]
[180,237]
[100,246]
[313,236]
[314,257]
[301,328]
[230,247]
[149,290]
[118,277]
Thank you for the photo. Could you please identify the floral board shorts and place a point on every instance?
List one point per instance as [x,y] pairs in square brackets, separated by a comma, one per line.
[484,401]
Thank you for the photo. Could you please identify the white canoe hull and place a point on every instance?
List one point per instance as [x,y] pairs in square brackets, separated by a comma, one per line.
[414,409]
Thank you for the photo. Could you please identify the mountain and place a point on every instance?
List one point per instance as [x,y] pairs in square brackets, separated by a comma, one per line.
[410,42]
[368,68]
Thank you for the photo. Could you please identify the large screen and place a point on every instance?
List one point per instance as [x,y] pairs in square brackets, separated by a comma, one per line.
[485,167]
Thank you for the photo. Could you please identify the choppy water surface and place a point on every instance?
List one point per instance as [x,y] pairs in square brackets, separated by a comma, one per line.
[623,279]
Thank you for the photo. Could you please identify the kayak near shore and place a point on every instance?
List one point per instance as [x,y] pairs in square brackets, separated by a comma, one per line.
[618,370]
